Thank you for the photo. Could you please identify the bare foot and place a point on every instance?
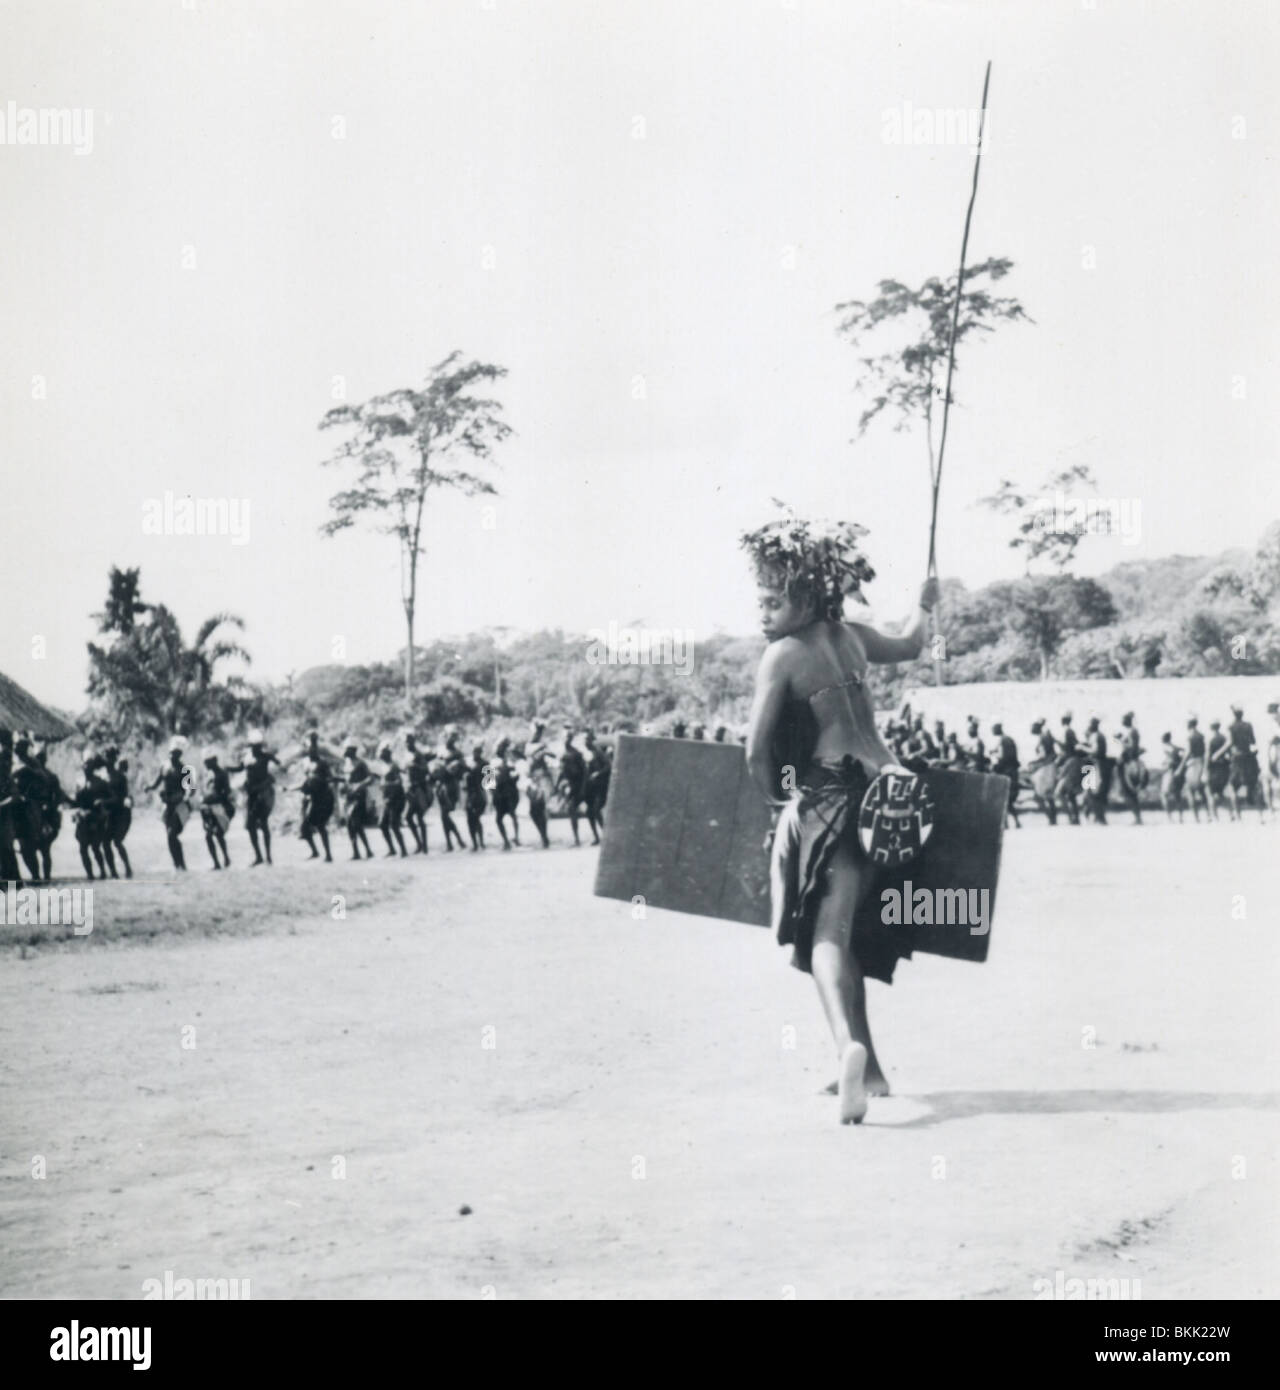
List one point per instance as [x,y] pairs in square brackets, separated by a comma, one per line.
[852,1090]
[876,1082]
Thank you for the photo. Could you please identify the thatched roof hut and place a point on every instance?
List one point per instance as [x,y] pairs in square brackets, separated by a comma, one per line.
[25,714]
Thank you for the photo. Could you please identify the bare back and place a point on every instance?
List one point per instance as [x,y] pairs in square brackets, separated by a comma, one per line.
[826,665]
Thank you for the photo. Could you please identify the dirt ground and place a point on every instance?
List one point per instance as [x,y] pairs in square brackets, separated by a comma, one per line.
[493,1084]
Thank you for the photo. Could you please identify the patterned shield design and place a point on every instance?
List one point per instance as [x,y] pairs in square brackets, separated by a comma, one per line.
[896,818]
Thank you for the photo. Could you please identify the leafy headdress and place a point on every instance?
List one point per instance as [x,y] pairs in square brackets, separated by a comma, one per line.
[818,559]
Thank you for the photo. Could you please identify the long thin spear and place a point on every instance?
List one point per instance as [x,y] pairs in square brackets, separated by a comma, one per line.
[951,364]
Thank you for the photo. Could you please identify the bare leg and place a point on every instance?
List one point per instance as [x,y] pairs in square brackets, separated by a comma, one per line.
[836,972]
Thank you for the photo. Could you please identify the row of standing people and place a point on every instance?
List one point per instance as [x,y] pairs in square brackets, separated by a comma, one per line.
[32,800]
[1075,774]
[387,795]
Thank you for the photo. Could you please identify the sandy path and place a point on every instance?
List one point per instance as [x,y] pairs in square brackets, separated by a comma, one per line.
[641,1126]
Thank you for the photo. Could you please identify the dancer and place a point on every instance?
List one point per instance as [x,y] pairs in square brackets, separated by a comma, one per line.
[119,804]
[1219,770]
[1099,781]
[446,776]
[596,787]
[358,781]
[217,806]
[176,783]
[260,796]
[317,806]
[1171,759]
[474,787]
[540,782]
[1192,770]
[419,796]
[1006,765]
[1244,765]
[506,795]
[88,800]
[393,799]
[572,783]
[1133,771]
[811,682]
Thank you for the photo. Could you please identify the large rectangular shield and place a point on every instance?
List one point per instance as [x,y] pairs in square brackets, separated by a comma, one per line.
[686,830]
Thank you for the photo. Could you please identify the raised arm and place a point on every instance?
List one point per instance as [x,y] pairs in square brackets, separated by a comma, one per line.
[883,649]
[772,684]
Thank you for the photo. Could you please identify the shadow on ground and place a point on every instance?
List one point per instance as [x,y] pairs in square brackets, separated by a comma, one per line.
[965,1105]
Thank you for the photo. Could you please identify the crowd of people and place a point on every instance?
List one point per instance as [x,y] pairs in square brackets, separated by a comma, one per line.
[389,792]
[1222,774]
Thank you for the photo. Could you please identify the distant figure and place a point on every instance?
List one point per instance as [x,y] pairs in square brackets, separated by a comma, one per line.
[476,800]
[419,795]
[679,729]
[1099,785]
[356,804]
[700,732]
[1219,770]
[974,748]
[260,796]
[1192,770]
[447,777]
[599,771]
[920,744]
[9,872]
[540,782]
[573,783]
[1070,765]
[393,799]
[1133,771]
[317,806]
[52,798]
[31,786]
[1244,764]
[217,807]
[1171,757]
[506,795]
[90,810]
[1044,770]
[1272,766]
[176,783]
[1006,765]
[119,803]
[720,733]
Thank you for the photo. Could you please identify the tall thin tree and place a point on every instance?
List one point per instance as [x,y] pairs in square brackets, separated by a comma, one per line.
[403,444]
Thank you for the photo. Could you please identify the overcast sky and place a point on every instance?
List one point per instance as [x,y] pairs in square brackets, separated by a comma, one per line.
[646,212]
